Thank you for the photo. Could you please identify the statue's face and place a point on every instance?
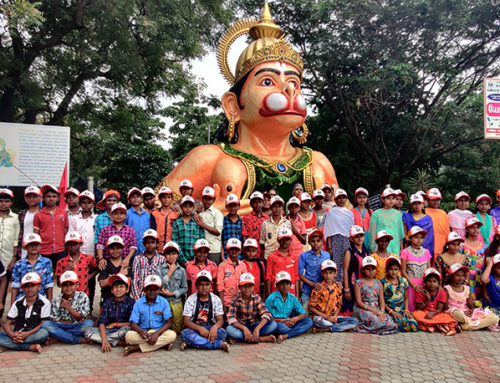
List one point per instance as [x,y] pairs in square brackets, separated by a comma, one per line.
[271,98]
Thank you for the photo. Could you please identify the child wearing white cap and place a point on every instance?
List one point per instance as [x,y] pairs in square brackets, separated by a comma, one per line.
[254,265]
[458,216]
[474,248]
[204,317]
[32,198]
[369,309]
[71,198]
[298,227]
[232,223]
[212,221]
[362,212]
[163,217]
[452,253]
[9,230]
[440,220]
[229,272]
[383,239]
[137,218]
[319,210]
[252,222]
[389,219]
[186,189]
[416,216]
[491,279]
[271,227]
[483,205]
[306,212]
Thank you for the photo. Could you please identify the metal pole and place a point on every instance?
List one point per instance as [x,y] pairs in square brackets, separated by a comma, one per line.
[208,138]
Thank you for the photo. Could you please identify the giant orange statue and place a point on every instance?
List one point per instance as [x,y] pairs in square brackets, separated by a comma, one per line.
[261,141]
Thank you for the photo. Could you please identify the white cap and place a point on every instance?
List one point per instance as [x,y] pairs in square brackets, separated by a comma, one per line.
[482,197]
[87,194]
[275,199]
[134,190]
[392,258]
[201,244]
[187,198]
[416,198]
[256,194]
[31,238]
[319,193]
[461,194]
[204,274]
[361,190]
[293,200]
[285,233]
[31,277]
[7,192]
[355,230]
[208,192]
[368,261]
[32,190]
[115,239]
[432,270]
[497,229]
[118,277]
[232,198]
[434,193]
[472,221]
[400,193]
[147,190]
[282,276]
[186,183]
[72,191]
[47,187]
[68,276]
[73,236]
[382,234]
[326,186]
[416,230]
[233,243]
[328,264]
[454,236]
[305,197]
[164,190]
[150,233]
[118,206]
[496,259]
[152,280]
[247,279]
[171,245]
[250,242]
[387,192]
[456,267]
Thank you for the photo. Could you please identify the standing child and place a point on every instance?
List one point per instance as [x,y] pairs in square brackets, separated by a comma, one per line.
[415,259]
[491,279]
[319,210]
[362,211]
[298,227]
[326,301]
[396,296]
[83,222]
[309,268]
[369,309]
[229,272]
[388,219]
[337,224]
[32,197]
[232,223]
[431,303]
[352,264]
[185,231]
[252,222]
[416,216]
[329,202]
[458,216]
[137,218]
[148,199]
[199,263]
[399,200]
[71,198]
[174,283]
[212,221]
[290,317]
[114,318]
[474,249]
[69,312]
[110,198]
[27,314]
[282,260]
[254,265]
[451,254]
[186,190]
[145,263]
[204,317]
[114,265]
[163,217]
[150,320]
[461,302]
[306,212]
[382,240]
[271,227]
[248,318]
[51,223]
[440,220]
[483,204]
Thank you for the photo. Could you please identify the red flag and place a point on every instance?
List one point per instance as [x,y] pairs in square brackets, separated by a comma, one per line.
[63,186]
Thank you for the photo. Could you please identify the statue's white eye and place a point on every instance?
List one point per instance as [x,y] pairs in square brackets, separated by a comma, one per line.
[267,82]
[294,84]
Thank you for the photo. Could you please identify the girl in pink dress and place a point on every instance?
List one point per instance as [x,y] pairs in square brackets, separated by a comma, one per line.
[362,212]
[415,259]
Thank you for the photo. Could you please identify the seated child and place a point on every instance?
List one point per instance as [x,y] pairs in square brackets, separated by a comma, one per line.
[174,283]
[150,321]
[114,319]
[229,272]
[204,317]
[255,265]
[369,309]
[286,310]
[248,318]
[461,302]
[69,312]
[325,303]
[114,265]
[199,263]
[27,314]
[491,279]
[396,296]
[431,303]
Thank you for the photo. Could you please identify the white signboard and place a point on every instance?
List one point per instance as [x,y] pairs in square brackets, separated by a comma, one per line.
[33,154]
[492,108]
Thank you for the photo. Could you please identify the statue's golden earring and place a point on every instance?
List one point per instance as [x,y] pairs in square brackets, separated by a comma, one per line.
[302,139]
[230,129]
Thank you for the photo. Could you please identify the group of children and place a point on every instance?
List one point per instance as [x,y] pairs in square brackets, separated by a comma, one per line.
[184,268]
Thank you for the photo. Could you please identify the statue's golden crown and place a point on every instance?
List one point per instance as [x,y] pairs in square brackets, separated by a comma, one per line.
[268,44]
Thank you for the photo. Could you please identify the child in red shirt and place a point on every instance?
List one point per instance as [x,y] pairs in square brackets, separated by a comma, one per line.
[199,263]
[255,266]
